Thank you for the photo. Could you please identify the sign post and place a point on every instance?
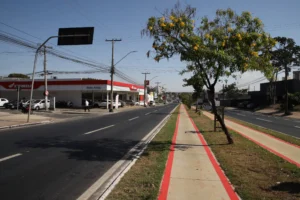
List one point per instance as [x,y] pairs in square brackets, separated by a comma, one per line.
[18,90]
[66,36]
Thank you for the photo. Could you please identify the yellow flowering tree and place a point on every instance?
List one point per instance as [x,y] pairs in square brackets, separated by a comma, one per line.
[213,49]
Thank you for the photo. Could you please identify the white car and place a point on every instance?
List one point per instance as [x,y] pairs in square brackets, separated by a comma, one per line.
[40,104]
[103,104]
[24,104]
[3,101]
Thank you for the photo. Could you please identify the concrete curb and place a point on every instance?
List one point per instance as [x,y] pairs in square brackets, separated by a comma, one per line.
[24,125]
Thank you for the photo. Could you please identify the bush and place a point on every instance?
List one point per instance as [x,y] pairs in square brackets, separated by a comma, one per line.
[295,98]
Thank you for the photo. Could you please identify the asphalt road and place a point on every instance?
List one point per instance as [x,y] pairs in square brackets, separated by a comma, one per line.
[288,126]
[62,160]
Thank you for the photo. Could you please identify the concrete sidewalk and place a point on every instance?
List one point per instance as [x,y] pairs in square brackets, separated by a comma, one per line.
[281,148]
[192,171]
[8,120]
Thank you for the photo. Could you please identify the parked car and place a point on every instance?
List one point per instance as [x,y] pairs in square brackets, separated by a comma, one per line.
[152,103]
[64,104]
[40,104]
[25,109]
[123,103]
[131,103]
[13,105]
[103,104]
[25,103]
[243,104]
[3,101]
[252,105]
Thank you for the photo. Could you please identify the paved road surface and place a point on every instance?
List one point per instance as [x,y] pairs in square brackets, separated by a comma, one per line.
[285,125]
[61,161]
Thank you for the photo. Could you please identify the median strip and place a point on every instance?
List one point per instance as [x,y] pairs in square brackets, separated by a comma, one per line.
[10,157]
[99,129]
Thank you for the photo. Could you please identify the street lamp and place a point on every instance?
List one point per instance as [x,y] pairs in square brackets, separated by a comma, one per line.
[153,78]
[111,76]
[125,56]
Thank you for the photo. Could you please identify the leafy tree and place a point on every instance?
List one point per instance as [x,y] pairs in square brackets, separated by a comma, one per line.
[186,98]
[17,75]
[232,92]
[216,48]
[285,54]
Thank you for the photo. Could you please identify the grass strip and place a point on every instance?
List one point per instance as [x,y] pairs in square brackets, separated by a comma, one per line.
[143,180]
[284,137]
[254,172]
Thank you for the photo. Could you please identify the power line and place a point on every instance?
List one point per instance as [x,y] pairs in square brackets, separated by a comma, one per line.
[31,45]
[38,39]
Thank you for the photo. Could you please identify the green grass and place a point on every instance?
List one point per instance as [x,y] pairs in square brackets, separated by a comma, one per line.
[143,180]
[284,137]
[254,172]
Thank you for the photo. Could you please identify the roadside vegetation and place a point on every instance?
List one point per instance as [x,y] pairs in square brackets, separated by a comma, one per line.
[143,180]
[284,137]
[254,172]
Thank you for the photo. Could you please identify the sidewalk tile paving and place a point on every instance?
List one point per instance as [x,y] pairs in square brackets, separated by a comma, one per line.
[193,172]
[279,147]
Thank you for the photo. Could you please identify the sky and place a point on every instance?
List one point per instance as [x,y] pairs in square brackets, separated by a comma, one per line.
[123,20]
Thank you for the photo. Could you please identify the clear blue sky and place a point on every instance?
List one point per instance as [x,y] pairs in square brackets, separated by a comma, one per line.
[123,19]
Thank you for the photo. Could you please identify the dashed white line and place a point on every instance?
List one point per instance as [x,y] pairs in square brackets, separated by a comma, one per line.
[264,120]
[98,129]
[9,157]
[297,126]
[148,113]
[241,115]
[133,118]
[155,110]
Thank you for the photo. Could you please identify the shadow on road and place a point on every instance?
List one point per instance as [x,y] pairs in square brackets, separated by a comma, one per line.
[91,150]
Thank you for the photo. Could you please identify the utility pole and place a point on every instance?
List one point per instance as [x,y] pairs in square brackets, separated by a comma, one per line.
[157,83]
[45,77]
[112,71]
[145,87]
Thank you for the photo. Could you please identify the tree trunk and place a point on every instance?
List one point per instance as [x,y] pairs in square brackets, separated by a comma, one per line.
[286,91]
[211,97]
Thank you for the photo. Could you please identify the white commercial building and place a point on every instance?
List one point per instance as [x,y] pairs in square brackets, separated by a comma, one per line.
[74,90]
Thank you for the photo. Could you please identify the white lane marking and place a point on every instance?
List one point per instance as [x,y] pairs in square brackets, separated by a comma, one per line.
[148,113]
[106,127]
[133,118]
[9,157]
[264,120]
[297,126]
[155,110]
[241,115]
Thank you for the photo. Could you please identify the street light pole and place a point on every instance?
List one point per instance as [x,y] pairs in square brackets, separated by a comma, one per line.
[145,87]
[33,73]
[34,66]
[112,71]
[157,83]
[45,77]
